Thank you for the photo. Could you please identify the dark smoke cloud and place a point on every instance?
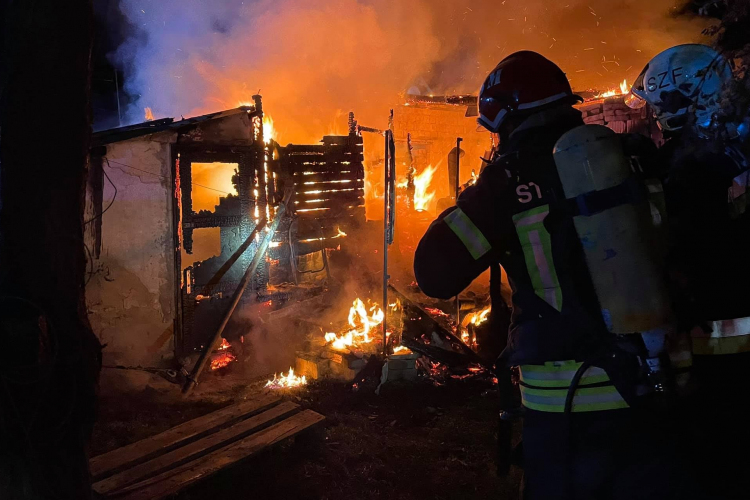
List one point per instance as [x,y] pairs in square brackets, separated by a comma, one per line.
[315,61]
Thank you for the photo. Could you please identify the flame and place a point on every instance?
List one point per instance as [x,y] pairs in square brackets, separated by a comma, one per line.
[340,234]
[361,322]
[475,318]
[224,345]
[399,349]
[269,133]
[422,181]
[624,89]
[148,114]
[286,381]
[478,317]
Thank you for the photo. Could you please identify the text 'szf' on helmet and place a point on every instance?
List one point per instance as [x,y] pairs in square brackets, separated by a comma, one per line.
[683,79]
[522,82]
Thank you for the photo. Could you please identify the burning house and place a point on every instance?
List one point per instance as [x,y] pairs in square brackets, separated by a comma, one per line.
[178,209]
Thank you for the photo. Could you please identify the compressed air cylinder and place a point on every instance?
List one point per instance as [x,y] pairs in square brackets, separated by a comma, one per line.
[620,241]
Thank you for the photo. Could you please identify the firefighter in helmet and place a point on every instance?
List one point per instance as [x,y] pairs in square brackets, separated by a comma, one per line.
[584,435]
[705,171]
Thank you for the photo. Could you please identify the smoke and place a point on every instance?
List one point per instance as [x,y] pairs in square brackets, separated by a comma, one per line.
[315,61]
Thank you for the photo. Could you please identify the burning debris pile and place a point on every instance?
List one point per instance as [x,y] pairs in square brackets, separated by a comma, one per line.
[288,381]
[420,342]
[223,356]
[362,322]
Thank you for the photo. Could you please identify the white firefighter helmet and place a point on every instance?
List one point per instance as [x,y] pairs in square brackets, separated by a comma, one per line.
[682,80]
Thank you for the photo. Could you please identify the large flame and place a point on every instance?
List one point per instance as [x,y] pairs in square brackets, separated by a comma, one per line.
[286,381]
[361,322]
[269,133]
[422,197]
[624,89]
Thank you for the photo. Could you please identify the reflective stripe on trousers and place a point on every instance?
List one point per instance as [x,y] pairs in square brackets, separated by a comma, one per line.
[545,388]
[731,336]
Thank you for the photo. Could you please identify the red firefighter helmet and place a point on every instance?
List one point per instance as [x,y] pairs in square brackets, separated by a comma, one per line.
[523,81]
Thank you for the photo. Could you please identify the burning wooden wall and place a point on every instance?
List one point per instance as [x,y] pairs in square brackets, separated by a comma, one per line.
[434,124]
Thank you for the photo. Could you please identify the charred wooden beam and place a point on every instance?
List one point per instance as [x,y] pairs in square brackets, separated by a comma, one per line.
[260,254]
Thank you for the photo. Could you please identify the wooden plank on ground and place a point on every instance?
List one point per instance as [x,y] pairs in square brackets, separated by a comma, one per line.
[146,449]
[195,449]
[170,482]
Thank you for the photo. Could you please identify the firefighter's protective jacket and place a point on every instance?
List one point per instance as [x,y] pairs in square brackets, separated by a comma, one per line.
[509,217]
[705,191]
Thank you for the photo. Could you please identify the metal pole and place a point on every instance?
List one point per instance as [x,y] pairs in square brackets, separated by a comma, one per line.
[192,379]
[386,217]
[117,92]
[458,190]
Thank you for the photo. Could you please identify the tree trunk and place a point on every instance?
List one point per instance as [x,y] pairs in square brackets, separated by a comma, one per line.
[49,356]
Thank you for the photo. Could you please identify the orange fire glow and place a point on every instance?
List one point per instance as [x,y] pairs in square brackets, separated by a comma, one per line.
[288,381]
[149,115]
[361,322]
[224,357]
[422,197]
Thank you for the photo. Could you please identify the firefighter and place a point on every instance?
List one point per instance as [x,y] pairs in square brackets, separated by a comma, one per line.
[584,435]
[705,172]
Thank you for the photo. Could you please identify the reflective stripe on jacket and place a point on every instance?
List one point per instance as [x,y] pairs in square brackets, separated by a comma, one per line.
[731,336]
[545,388]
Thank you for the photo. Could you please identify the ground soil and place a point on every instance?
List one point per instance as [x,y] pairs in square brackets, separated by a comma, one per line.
[413,441]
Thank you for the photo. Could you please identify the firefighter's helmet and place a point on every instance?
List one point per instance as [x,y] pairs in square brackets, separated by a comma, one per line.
[682,80]
[522,82]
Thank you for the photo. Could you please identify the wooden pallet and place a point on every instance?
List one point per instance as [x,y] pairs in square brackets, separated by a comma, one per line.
[164,464]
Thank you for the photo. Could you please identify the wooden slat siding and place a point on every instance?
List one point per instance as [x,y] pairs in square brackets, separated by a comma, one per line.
[332,198]
[194,450]
[335,215]
[146,449]
[173,481]
[323,178]
[324,166]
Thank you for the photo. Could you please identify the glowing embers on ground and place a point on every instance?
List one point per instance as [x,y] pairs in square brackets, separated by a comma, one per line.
[288,381]
[422,196]
[224,357]
[623,90]
[361,322]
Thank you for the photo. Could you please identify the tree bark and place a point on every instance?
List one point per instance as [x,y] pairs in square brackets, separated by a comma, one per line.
[49,356]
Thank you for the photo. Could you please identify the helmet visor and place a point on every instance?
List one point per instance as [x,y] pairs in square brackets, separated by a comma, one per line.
[635,98]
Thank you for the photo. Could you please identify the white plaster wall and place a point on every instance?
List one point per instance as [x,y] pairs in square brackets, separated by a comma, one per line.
[131,296]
